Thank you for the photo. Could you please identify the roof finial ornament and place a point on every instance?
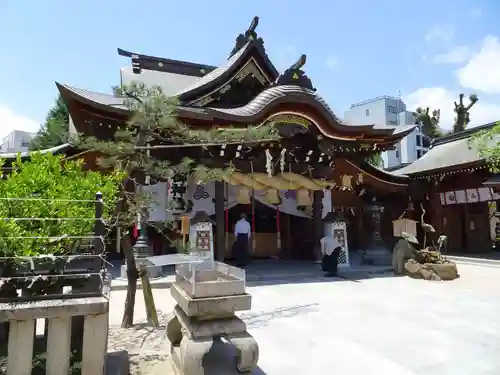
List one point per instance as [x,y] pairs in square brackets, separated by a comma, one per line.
[300,62]
[248,36]
[295,76]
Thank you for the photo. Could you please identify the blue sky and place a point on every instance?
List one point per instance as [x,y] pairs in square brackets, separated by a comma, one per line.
[356,49]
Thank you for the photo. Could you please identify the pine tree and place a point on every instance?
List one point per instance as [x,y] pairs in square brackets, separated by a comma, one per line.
[154,120]
[54,131]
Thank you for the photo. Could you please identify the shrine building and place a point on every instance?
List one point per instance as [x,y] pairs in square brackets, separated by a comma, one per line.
[316,173]
[460,193]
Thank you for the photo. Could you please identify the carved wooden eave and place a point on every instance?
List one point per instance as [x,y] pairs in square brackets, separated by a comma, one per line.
[287,105]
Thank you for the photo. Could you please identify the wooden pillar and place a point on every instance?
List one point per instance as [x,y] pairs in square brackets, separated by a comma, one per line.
[319,229]
[220,228]
[436,216]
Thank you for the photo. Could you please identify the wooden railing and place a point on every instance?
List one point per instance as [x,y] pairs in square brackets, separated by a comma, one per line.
[80,320]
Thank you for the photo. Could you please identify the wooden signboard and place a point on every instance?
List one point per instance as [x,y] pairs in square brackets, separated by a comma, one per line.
[201,239]
[404,225]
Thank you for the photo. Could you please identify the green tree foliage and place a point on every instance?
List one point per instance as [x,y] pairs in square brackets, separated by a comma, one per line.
[488,144]
[54,131]
[154,126]
[428,121]
[375,160]
[46,177]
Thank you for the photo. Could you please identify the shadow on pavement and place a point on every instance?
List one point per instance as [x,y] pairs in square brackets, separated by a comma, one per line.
[277,272]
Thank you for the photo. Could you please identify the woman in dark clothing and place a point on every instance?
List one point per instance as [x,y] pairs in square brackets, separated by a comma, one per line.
[330,248]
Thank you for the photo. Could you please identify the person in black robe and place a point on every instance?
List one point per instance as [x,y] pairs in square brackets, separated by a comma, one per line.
[330,250]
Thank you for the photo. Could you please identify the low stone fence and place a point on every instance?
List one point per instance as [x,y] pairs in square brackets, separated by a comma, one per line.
[69,322]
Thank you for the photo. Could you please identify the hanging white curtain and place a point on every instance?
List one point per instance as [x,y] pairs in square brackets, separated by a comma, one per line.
[202,198]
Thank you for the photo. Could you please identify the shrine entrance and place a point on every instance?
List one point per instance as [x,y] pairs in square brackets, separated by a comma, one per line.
[275,234]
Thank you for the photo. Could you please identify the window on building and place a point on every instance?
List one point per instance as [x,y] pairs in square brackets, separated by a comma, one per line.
[397,154]
[391,109]
[419,154]
[419,140]
[25,144]
[367,112]
[392,122]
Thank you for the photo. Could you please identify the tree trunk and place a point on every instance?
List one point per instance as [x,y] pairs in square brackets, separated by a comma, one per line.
[132,276]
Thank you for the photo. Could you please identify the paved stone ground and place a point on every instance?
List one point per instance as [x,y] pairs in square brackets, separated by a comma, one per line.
[379,325]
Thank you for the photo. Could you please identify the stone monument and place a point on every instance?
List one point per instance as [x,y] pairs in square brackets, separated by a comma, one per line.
[208,294]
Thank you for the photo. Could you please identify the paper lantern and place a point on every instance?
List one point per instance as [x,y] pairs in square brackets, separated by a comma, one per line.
[272,196]
[346,181]
[303,198]
[243,196]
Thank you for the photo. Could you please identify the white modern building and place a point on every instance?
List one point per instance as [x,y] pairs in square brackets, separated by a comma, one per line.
[16,141]
[391,111]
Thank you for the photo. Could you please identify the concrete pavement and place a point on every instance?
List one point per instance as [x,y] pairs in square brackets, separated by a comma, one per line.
[378,325]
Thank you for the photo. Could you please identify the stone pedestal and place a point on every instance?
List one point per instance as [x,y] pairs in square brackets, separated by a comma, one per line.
[197,322]
[377,253]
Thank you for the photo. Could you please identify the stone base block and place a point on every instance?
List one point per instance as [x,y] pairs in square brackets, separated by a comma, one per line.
[188,352]
[247,350]
[213,307]
[195,328]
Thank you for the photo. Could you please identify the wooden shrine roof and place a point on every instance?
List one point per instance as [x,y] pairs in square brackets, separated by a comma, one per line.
[254,112]
[190,82]
[452,152]
[493,181]
[24,155]
[171,75]
[245,90]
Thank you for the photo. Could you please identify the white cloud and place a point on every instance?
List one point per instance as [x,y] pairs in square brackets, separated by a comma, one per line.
[456,55]
[332,62]
[482,72]
[12,121]
[443,99]
[442,33]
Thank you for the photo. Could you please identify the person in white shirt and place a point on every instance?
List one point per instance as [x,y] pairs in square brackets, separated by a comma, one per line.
[242,232]
[330,249]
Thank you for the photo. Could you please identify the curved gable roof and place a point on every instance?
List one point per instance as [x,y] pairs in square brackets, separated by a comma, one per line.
[256,111]
[273,96]
[226,71]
